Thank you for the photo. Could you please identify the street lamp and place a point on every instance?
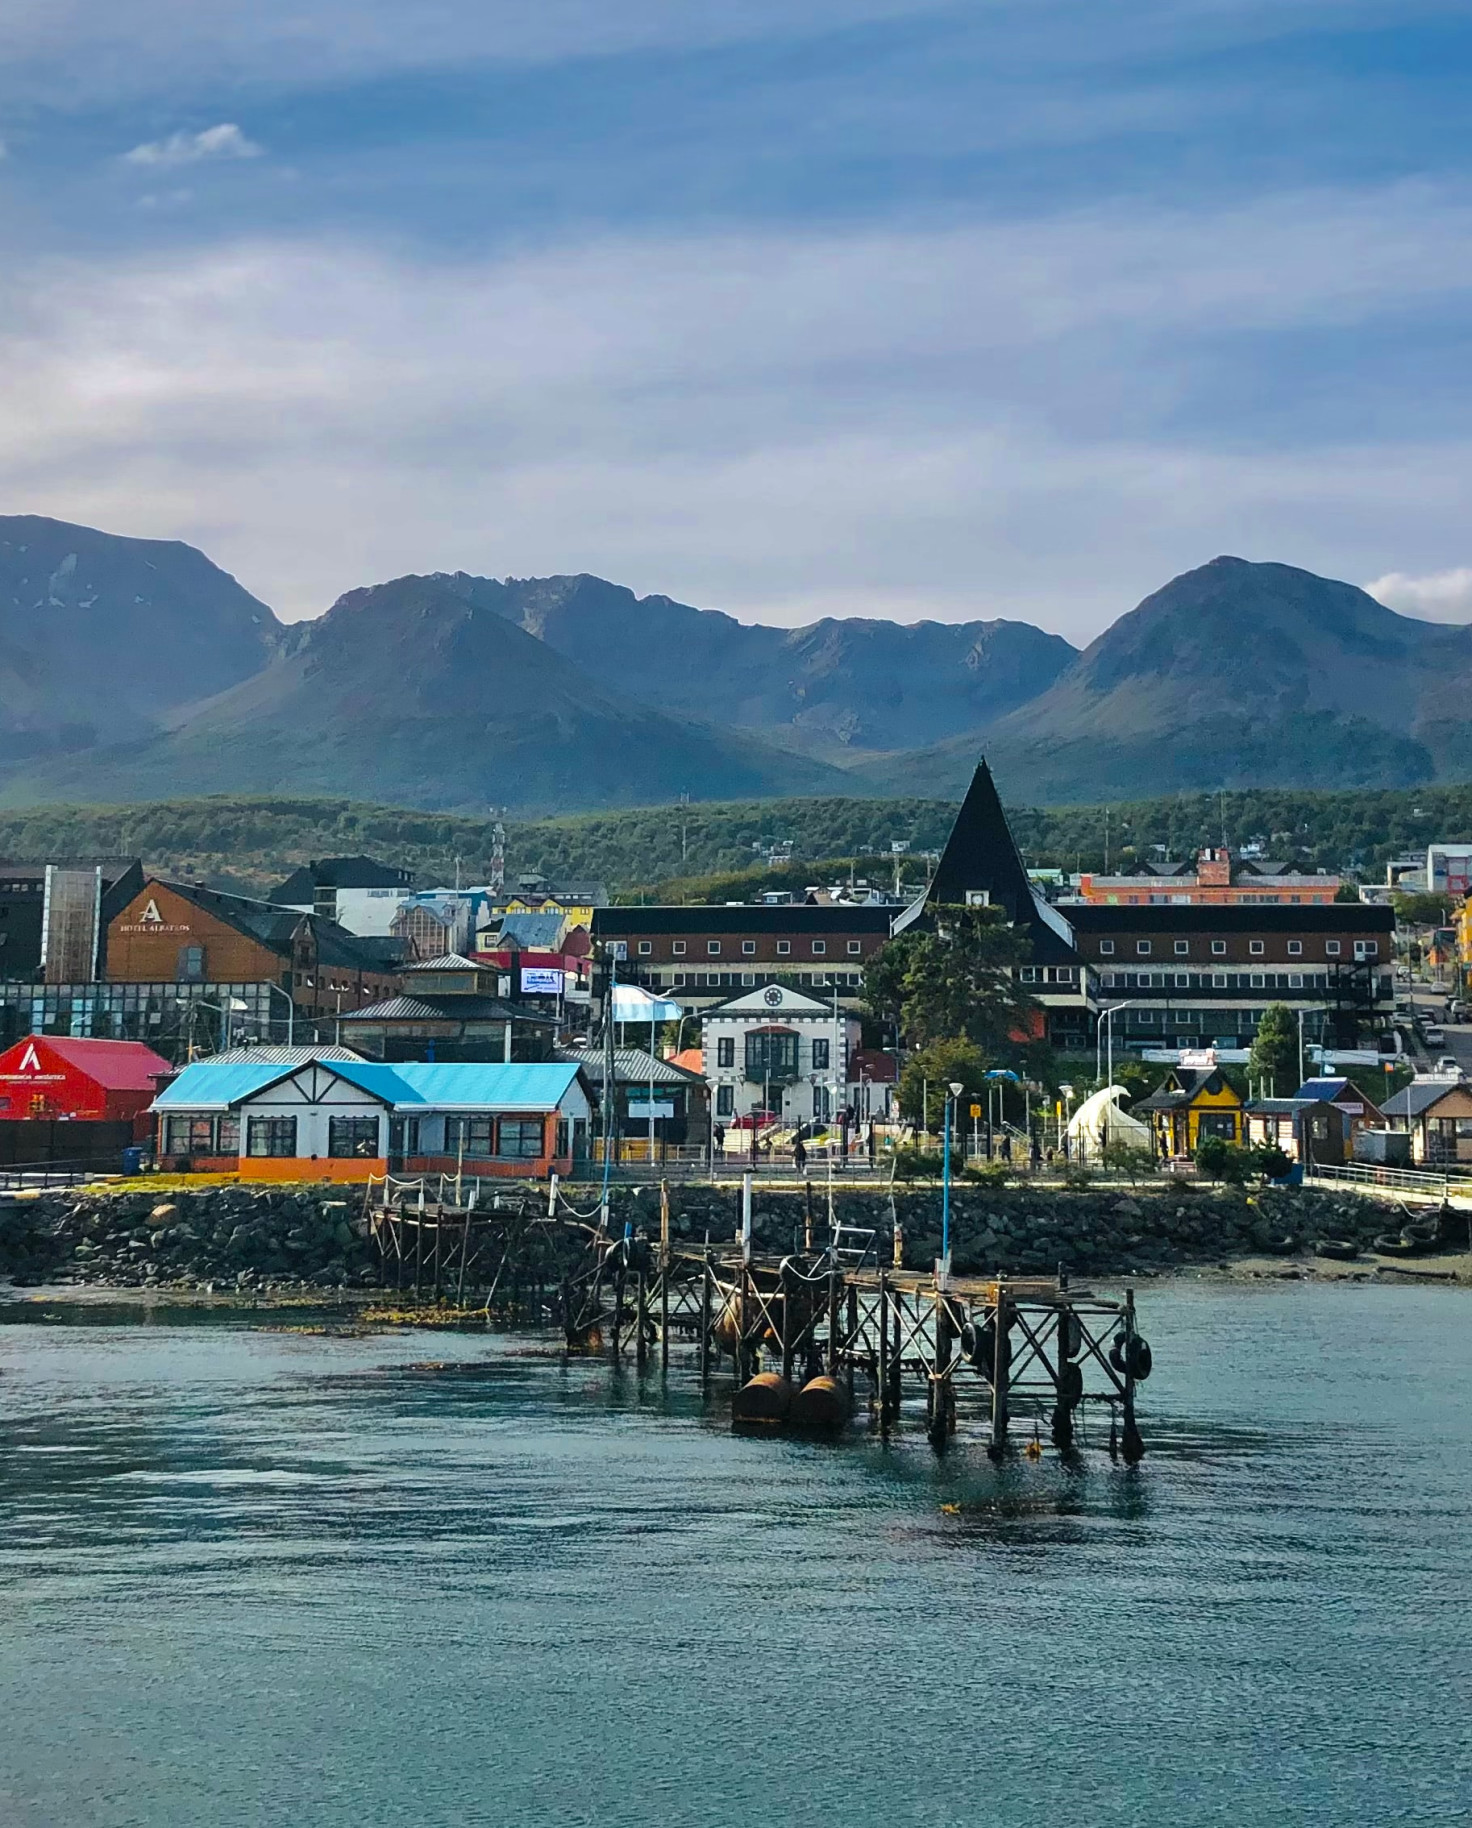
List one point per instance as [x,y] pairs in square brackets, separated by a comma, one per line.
[1106,1023]
[276,991]
[954,1089]
[231,1006]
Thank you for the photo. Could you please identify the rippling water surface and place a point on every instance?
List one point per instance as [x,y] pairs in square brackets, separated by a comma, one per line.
[252,1576]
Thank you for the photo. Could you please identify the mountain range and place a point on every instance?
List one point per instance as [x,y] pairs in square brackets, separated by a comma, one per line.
[136,669]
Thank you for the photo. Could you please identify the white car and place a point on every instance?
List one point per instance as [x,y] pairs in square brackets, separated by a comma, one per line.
[1449,1064]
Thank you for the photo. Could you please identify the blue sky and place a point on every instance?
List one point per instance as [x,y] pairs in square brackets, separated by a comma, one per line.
[865,307]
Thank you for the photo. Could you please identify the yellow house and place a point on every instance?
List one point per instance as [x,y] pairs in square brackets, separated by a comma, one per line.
[1464,942]
[1191,1104]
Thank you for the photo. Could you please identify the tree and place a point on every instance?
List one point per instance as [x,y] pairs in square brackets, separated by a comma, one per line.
[1421,910]
[1274,1055]
[928,1075]
[958,982]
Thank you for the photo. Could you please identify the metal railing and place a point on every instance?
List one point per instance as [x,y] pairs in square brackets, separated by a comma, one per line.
[1434,1184]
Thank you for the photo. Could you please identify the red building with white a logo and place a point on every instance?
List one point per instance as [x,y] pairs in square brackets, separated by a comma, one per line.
[46,1078]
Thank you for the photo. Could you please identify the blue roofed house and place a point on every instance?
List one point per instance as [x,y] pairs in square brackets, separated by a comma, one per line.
[343,1120]
[1318,1123]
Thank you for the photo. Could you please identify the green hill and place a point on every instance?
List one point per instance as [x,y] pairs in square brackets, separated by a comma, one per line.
[715,850]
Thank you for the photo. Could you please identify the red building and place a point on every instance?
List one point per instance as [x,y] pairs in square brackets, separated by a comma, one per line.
[49,1077]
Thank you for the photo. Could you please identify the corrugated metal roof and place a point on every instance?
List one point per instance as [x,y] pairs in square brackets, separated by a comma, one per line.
[447,961]
[465,1085]
[266,1053]
[207,1085]
[1419,1096]
[210,1085]
[634,1065]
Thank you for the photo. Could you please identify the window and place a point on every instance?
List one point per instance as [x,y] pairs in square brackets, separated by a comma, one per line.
[227,1136]
[1218,980]
[854,948]
[820,946]
[1295,948]
[1367,948]
[1183,980]
[748,980]
[1295,980]
[677,979]
[771,1053]
[748,948]
[470,1135]
[1106,948]
[189,1136]
[822,1054]
[1255,947]
[191,965]
[725,1100]
[1218,948]
[726,1051]
[1331,948]
[646,946]
[784,946]
[1142,946]
[563,1136]
[1183,948]
[521,1138]
[270,1136]
[713,947]
[352,1136]
[678,948]
[1259,981]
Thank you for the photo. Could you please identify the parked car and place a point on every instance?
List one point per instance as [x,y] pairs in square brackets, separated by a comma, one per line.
[1448,1063]
[1432,1035]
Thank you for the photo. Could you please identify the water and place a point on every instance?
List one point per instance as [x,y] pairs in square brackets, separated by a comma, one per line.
[262,1577]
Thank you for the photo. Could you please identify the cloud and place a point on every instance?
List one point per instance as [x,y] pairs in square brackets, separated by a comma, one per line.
[1025,418]
[1441,596]
[223,142]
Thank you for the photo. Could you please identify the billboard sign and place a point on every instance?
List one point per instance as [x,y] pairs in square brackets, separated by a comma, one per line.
[538,981]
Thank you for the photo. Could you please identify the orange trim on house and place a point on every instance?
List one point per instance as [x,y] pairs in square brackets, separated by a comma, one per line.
[310,1168]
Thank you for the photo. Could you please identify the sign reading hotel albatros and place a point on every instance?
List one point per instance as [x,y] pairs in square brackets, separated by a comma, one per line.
[152,921]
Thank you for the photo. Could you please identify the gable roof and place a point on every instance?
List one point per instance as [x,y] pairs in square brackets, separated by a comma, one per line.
[275,927]
[1419,1096]
[212,1085]
[1182,1085]
[761,1001]
[631,1066]
[980,854]
[340,873]
[118,1066]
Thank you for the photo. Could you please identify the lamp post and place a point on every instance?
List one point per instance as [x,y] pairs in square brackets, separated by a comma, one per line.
[231,1006]
[954,1090]
[276,991]
[1106,1024]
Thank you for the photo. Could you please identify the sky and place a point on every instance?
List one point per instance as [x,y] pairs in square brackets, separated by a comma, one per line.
[860,307]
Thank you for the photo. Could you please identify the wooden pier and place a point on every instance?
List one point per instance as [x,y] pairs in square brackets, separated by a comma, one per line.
[813,1337]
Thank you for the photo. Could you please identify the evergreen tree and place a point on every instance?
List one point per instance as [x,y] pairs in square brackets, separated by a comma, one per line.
[1274,1056]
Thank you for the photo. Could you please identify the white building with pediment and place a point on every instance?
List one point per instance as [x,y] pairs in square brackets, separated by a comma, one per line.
[778,1050]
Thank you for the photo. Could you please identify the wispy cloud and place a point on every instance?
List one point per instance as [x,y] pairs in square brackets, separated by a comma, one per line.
[1026,418]
[223,142]
[1440,596]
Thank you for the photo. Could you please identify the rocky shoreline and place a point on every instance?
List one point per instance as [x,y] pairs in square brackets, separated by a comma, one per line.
[291,1240]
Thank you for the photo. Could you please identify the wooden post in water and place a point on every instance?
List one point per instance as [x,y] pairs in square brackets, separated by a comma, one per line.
[853,1335]
[1131,1446]
[786,1305]
[833,1319]
[641,1316]
[705,1319]
[883,1353]
[1001,1374]
[664,1276]
[618,1297]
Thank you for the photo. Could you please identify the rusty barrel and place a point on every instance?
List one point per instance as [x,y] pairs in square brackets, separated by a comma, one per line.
[821,1406]
[766,1398]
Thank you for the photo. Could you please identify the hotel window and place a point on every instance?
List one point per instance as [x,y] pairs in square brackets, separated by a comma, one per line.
[820,946]
[352,1136]
[1183,947]
[784,947]
[646,946]
[748,948]
[1142,946]
[1218,980]
[678,948]
[726,1051]
[1259,980]
[677,979]
[1295,980]
[521,1138]
[1295,948]
[1218,948]
[854,948]
[1106,948]
[725,1100]
[1255,947]
[713,947]
[748,980]
[1331,948]
[191,965]
[271,1136]
[821,1056]
[1183,980]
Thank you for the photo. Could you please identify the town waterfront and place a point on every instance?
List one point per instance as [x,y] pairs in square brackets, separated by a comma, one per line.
[260,1575]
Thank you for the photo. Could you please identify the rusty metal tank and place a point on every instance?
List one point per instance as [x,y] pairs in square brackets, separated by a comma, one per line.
[766,1399]
[821,1406]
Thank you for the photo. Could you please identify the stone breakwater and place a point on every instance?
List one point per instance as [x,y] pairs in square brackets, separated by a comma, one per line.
[313,1237]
